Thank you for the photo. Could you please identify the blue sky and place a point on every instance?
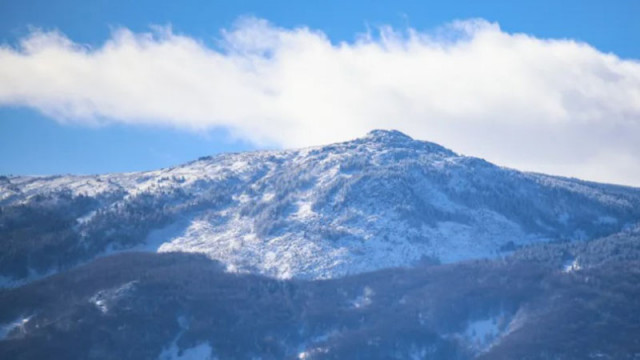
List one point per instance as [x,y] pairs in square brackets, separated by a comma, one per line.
[37,140]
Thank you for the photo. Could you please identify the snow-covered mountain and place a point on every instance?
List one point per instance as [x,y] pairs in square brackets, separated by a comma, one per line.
[380,201]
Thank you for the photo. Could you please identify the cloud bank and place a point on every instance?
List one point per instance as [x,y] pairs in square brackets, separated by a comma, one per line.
[556,106]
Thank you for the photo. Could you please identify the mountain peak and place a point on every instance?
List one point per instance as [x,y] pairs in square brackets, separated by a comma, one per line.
[388,135]
[397,139]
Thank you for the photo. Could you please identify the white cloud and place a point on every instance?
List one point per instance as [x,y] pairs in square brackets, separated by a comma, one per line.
[555,106]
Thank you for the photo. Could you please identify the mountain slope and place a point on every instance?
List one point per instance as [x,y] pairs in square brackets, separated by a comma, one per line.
[177,306]
[380,201]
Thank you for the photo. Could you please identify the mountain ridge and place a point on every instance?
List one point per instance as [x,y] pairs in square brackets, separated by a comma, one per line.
[383,200]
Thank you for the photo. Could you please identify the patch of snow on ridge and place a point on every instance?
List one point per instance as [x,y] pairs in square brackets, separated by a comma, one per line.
[104,300]
[9,282]
[364,299]
[571,266]
[18,324]
[481,334]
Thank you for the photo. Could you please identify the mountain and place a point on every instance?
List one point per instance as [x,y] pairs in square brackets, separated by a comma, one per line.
[383,247]
[549,301]
[381,201]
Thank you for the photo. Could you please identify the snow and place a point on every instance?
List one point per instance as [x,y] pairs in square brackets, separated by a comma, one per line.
[18,324]
[364,299]
[304,210]
[201,351]
[480,334]
[384,200]
[158,237]
[268,196]
[313,344]
[103,300]
[308,354]
[571,266]
[606,220]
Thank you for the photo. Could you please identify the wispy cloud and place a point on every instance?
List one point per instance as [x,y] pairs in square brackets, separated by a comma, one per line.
[556,106]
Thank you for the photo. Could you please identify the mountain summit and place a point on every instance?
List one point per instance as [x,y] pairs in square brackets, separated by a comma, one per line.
[396,139]
[391,136]
[384,200]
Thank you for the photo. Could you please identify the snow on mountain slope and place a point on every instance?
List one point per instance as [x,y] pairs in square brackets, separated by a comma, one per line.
[379,201]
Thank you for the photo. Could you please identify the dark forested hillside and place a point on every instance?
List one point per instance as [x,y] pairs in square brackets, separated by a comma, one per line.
[164,306]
